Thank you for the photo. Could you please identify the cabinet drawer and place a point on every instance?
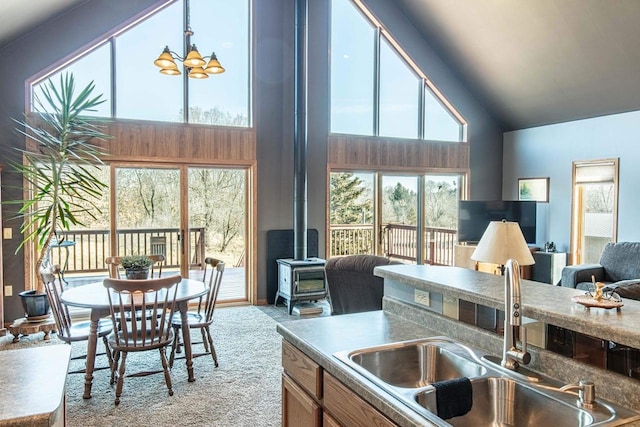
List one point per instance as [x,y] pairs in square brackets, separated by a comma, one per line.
[348,408]
[301,368]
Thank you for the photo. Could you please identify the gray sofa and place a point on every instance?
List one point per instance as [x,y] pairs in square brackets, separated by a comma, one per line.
[352,286]
[619,268]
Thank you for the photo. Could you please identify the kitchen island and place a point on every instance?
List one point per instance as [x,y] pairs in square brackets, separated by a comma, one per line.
[402,319]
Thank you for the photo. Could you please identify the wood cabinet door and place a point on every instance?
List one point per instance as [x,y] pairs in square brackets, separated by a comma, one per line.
[349,409]
[298,408]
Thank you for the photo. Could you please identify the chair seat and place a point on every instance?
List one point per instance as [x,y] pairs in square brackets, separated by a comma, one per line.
[194,319]
[132,341]
[80,331]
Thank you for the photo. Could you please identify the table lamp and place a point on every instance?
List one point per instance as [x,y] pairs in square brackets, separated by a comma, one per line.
[503,241]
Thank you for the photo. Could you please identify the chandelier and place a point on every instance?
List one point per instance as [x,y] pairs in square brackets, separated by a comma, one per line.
[196,66]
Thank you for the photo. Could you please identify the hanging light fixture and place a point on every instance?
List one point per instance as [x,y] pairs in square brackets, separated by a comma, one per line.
[196,66]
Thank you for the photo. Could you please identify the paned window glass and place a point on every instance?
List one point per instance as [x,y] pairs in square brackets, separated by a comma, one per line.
[221,26]
[94,66]
[439,123]
[352,70]
[141,91]
[399,95]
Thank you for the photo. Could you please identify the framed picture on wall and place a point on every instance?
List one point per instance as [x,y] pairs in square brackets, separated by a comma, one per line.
[536,189]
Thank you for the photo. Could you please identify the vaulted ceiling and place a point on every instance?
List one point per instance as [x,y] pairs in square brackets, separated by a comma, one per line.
[19,17]
[530,62]
[536,62]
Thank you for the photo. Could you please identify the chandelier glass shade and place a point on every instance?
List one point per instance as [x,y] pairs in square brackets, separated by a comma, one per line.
[196,66]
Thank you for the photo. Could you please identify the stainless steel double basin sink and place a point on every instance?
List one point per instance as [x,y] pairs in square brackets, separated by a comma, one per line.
[408,370]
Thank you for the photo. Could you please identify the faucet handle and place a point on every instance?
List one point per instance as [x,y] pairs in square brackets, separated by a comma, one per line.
[521,356]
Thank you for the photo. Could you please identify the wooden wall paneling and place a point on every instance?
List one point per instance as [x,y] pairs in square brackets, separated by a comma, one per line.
[381,153]
[177,142]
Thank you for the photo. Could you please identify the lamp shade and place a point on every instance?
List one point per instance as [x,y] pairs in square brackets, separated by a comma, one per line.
[170,71]
[193,59]
[198,73]
[165,60]
[213,66]
[502,241]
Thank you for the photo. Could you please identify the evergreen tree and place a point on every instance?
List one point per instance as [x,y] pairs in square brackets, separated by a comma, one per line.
[350,203]
[402,202]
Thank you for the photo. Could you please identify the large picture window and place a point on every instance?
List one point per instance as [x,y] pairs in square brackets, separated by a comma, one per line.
[122,67]
[376,89]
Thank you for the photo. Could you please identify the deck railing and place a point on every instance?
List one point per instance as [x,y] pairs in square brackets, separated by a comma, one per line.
[399,242]
[351,239]
[90,247]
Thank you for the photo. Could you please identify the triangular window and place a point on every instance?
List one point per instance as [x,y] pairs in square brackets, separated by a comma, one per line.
[376,89]
[123,71]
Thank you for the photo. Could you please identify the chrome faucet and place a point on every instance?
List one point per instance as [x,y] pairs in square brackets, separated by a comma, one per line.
[586,393]
[512,356]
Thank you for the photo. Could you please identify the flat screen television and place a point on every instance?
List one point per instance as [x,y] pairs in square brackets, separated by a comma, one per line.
[474,217]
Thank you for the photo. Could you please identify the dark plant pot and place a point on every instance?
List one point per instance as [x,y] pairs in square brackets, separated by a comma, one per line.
[35,305]
[139,274]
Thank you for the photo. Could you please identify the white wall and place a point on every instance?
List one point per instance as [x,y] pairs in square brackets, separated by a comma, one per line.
[548,151]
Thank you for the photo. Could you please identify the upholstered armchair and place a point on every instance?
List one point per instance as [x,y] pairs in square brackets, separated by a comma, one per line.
[352,286]
[619,268]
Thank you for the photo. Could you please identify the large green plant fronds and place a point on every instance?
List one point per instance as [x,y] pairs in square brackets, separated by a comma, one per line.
[60,171]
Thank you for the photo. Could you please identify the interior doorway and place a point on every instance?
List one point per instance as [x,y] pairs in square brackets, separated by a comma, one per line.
[594,213]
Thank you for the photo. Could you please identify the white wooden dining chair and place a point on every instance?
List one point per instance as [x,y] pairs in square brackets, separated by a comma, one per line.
[130,334]
[68,331]
[202,318]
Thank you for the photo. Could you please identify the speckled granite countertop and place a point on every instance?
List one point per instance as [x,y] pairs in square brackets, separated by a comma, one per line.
[320,338]
[546,303]
[33,384]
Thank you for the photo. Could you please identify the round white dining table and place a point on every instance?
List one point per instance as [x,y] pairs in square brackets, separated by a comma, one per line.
[94,297]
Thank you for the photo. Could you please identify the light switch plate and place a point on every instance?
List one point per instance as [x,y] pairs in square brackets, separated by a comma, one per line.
[7,233]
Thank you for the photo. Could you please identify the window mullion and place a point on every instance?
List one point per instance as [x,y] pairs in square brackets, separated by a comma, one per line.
[421,84]
[376,83]
[185,51]
[112,45]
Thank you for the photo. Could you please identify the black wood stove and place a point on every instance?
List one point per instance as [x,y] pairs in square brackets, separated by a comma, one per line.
[301,280]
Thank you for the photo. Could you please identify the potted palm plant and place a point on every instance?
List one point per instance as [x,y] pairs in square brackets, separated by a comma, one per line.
[136,266]
[59,167]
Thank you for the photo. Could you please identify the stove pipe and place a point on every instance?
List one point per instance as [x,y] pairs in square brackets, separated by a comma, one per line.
[300,132]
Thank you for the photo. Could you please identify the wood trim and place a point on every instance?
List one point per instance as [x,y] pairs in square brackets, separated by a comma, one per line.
[395,154]
[3,331]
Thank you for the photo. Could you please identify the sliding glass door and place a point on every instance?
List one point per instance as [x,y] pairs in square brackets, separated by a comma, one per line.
[147,214]
[184,212]
[217,215]
[408,217]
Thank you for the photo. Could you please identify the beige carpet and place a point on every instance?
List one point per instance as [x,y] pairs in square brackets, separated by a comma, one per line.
[243,391]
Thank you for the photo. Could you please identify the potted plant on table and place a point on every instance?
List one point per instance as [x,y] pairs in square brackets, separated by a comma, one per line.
[136,266]
[59,167]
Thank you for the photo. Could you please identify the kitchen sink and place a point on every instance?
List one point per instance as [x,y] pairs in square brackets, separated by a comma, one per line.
[499,401]
[407,371]
[414,364]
